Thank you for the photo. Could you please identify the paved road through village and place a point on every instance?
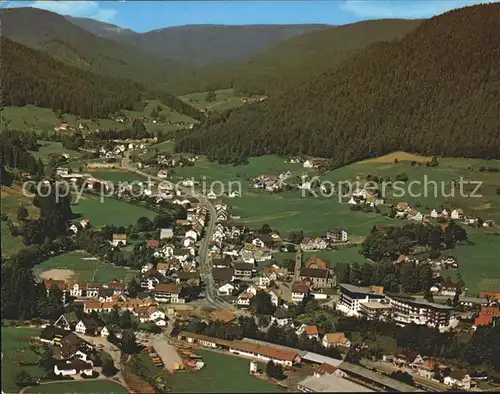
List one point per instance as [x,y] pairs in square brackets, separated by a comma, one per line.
[205,263]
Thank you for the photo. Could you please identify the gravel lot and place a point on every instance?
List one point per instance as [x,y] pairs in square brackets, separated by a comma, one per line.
[166,351]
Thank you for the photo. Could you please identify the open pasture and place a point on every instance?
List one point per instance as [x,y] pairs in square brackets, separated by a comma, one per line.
[84,268]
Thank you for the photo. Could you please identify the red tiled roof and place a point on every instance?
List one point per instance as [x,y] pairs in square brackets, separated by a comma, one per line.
[483,320]
[300,287]
[326,368]
[168,288]
[490,310]
[61,284]
[490,295]
[311,330]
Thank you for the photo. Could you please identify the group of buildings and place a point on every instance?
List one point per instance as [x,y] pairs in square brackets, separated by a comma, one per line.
[372,303]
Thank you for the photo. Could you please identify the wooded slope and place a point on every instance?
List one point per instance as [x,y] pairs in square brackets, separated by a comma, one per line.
[435,92]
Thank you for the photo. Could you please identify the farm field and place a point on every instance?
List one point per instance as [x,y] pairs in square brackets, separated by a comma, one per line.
[81,386]
[111,211]
[224,99]
[223,374]
[15,348]
[72,265]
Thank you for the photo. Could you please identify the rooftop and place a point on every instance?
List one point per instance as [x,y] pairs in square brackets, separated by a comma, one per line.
[332,383]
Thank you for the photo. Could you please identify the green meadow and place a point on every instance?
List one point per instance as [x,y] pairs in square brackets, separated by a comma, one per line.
[224,99]
[108,212]
[81,386]
[85,269]
[47,147]
[15,350]
[223,374]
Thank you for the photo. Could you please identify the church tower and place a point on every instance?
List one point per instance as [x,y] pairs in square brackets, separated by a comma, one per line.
[298,265]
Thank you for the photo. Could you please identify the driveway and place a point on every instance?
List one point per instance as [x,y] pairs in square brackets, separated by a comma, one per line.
[107,346]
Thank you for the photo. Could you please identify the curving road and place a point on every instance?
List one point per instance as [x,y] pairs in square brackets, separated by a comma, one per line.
[205,264]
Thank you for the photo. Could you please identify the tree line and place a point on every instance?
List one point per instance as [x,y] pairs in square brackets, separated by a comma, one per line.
[423,94]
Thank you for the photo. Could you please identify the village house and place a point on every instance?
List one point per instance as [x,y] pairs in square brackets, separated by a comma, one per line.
[226,289]
[113,329]
[263,240]
[310,331]
[402,208]
[311,244]
[168,292]
[223,275]
[336,235]
[244,299]
[460,379]
[119,239]
[150,313]
[427,368]
[243,271]
[299,291]
[407,358]
[335,339]
[166,233]
[73,367]
[457,214]
[67,321]
[87,326]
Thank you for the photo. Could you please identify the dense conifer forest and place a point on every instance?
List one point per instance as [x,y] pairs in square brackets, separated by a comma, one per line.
[31,77]
[296,60]
[435,92]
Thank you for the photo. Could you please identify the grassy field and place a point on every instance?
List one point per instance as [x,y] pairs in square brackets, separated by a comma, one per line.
[479,264]
[287,211]
[31,118]
[224,99]
[15,348]
[449,170]
[11,198]
[47,147]
[170,116]
[110,211]
[223,374]
[343,255]
[81,386]
[85,270]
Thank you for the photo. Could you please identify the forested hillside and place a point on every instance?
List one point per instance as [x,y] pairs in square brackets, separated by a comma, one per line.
[297,59]
[31,77]
[200,45]
[63,40]
[101,29]
[435,92]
